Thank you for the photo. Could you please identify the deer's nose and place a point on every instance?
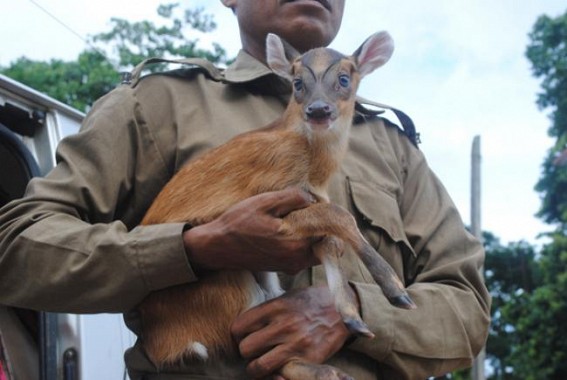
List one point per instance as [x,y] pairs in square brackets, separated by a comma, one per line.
[318,110]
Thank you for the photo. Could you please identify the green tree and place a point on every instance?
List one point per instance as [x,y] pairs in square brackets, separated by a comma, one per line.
[538,346]
[131,43]
[547,52]
[97,69]
[511,273]
[77,83]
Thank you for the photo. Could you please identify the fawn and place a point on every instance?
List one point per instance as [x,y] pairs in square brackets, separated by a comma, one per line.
[304,147]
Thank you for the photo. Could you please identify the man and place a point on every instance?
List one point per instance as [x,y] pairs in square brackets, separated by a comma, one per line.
[76,233]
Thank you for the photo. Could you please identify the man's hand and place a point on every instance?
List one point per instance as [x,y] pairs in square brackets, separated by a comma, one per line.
[300,324]
[247,236]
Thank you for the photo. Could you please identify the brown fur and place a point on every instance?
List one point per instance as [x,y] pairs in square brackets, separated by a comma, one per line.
[279,158]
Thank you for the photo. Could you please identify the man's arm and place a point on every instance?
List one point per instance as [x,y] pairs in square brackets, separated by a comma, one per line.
[450,324]
[71,244]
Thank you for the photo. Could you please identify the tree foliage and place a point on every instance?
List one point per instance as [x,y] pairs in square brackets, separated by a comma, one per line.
[512,274]
[539,349]
[131,43]
[547,52]
[77,83]
[97,69]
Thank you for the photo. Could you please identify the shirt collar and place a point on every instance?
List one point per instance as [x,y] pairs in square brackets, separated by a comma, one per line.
[246,68]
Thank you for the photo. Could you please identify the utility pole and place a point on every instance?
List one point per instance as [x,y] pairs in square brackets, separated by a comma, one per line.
[478,366]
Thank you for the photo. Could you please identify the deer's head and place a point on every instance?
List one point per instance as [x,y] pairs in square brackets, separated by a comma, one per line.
[325,81]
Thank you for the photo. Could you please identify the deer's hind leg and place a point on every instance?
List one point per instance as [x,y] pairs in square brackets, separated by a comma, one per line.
[326,219]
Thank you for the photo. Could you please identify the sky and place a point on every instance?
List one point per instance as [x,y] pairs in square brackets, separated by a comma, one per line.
[459,71]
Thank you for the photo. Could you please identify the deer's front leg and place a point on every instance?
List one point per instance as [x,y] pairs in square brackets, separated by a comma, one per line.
[328,251]
[326,219]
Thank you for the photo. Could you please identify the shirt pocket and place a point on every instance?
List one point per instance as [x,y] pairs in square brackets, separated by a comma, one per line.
[380,221]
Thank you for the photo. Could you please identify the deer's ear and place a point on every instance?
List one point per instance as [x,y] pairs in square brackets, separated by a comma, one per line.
[374,52]
[280,55]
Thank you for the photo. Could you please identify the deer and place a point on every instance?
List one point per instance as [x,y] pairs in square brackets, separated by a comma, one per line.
[303,148]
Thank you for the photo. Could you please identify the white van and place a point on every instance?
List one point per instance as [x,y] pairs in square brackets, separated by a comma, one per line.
[65,346]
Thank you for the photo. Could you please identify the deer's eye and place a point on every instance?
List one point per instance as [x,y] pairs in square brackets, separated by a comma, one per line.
[298,84]
[344,80]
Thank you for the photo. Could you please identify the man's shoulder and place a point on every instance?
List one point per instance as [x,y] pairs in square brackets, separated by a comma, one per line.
[154,70]
[375,113]
[152,86]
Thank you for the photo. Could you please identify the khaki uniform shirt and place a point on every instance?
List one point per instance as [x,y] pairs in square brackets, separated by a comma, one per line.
[73,244]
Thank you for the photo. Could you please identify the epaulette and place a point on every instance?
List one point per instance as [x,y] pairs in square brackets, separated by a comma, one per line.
[132,78]
[408,127]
